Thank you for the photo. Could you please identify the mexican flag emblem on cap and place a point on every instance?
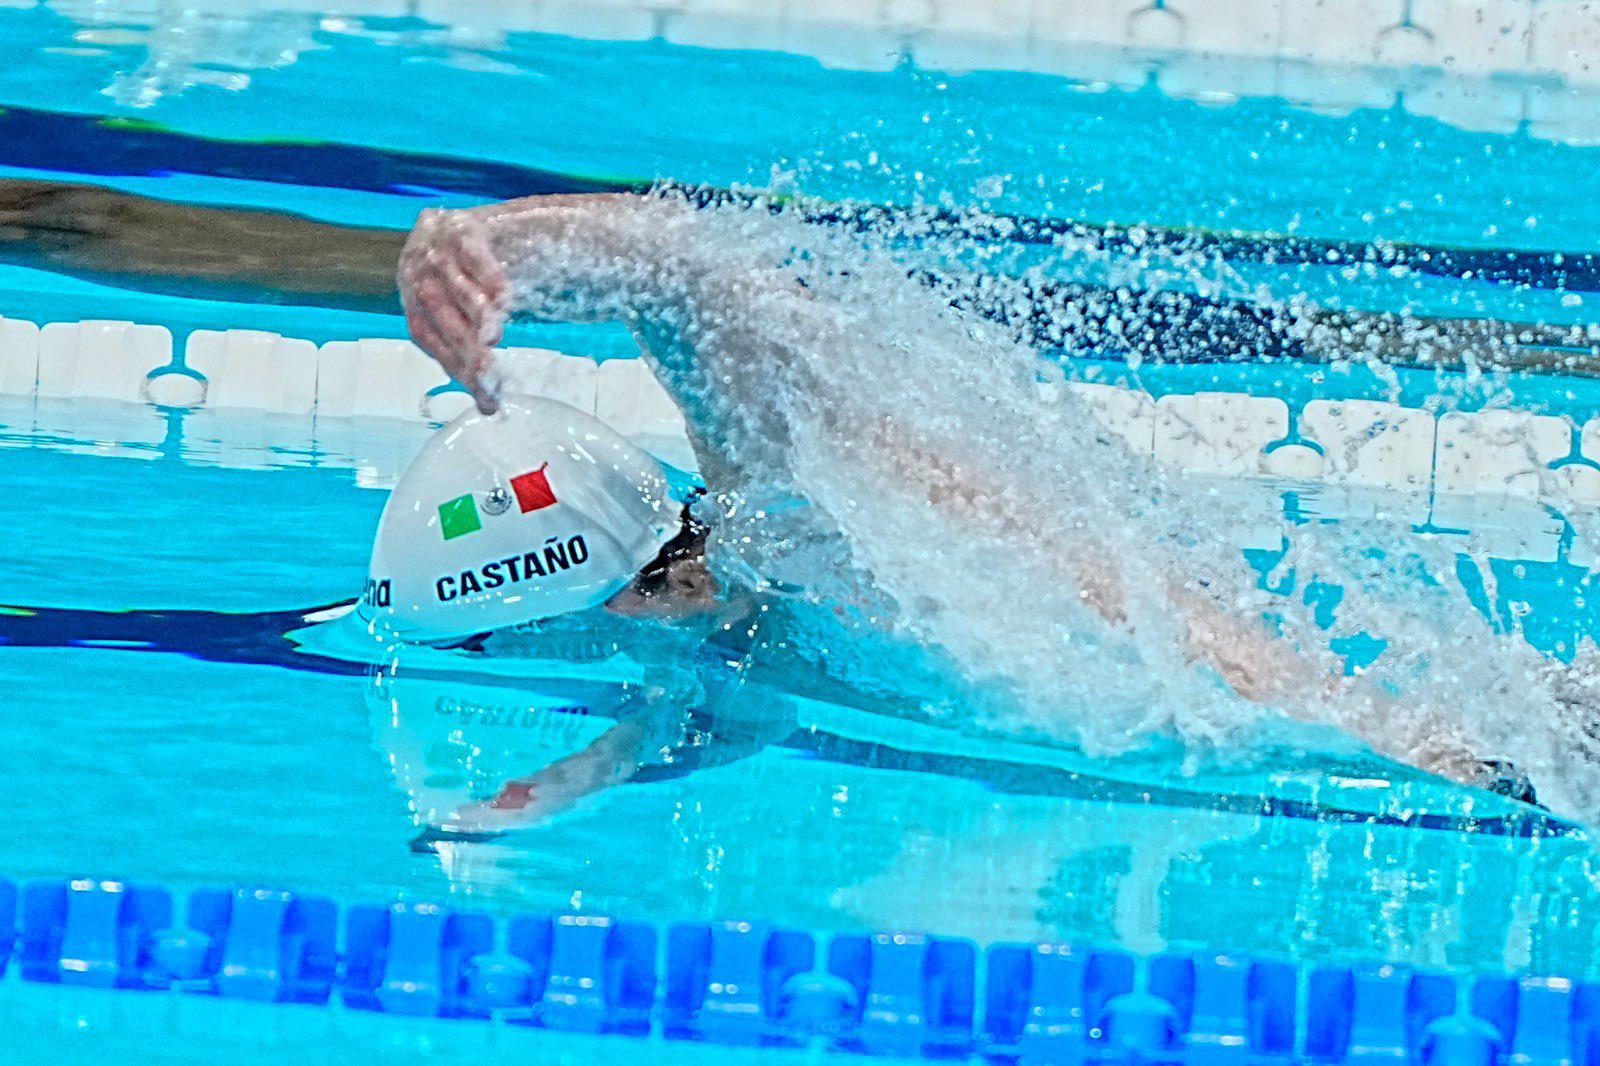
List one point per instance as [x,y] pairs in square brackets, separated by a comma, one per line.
[533,490]
[459,516]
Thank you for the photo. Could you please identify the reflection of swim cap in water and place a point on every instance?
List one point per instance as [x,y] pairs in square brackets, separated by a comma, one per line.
[452,743]
[534,511]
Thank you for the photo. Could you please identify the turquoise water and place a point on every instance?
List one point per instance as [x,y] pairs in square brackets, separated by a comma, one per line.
[1013,142]
[1029,144]
[214,766]
[260,759]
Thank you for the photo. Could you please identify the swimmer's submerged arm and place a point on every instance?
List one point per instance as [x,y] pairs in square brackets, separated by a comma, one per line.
[661,734]
[609,760]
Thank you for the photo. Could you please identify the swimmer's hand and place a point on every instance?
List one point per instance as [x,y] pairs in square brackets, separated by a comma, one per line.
[454,291]
[520,803]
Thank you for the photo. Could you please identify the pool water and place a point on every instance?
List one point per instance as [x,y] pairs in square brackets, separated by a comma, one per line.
[1026,144]
[215,766]
[200,748]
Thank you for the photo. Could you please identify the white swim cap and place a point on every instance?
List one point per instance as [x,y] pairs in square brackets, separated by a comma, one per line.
[534,511]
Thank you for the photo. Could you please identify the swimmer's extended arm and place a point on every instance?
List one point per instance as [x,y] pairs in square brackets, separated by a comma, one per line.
[608,256]
[1257,663]
[253,255]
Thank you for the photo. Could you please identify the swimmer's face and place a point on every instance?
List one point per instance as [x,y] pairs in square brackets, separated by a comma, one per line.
[676,583]
[682,588]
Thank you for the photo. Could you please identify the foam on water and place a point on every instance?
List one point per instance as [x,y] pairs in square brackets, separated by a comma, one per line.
[869,447]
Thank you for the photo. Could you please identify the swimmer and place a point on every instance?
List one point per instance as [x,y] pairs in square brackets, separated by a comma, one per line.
[103,233]
[730,331]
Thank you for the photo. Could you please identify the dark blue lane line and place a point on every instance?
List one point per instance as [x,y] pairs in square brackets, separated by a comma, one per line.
[92,144]
[1537,268]
[261,639]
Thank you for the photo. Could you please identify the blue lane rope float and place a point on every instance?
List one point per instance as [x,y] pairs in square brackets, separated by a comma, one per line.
[905,995]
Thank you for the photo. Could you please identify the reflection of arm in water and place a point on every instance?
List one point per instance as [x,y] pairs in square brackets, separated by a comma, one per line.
[619,257]
[217,252]
[663,733]
[608,760]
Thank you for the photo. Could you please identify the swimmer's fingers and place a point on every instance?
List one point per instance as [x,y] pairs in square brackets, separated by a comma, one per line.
[492,327]
[471,365]
[479,306]
[427,337]
[483,396]
[454,292]
[485,382]
[453,322]
[478,262]
[438,329]
[451,257]
[482,280]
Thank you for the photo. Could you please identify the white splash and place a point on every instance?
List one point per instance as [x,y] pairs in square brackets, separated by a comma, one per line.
[895,457]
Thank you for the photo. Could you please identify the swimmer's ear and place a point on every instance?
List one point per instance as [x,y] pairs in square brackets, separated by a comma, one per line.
[691,579]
